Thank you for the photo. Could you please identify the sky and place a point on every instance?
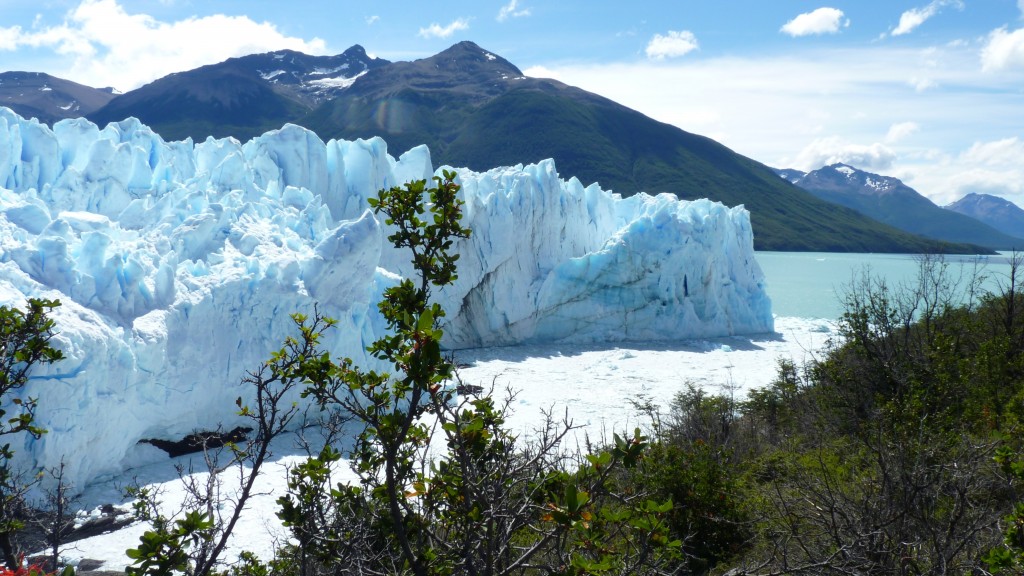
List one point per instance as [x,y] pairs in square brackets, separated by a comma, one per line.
[929,91]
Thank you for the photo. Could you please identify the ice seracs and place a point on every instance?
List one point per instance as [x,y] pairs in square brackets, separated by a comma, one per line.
[178,265]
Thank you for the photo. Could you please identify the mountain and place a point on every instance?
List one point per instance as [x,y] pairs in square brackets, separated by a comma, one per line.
[997,212]
[475,109]
[48,98]
[892,202]
[241,97]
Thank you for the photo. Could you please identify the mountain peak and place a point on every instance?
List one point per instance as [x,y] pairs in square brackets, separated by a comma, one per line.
[467,56]
[356,50]
[868,182]
[976,198]
[464,73]
[997,212]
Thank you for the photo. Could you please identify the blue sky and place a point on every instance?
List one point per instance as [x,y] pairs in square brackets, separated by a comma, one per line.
[930,91]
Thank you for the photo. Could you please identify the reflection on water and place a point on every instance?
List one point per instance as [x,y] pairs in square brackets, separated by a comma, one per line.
[810,284]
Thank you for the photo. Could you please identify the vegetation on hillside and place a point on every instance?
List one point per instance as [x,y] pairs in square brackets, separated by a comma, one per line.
[597,140]
[898,452]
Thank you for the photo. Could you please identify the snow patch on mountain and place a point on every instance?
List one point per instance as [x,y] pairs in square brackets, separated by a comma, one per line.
[336,82]
[325,71]
[271,75]
[880,185]
[179,263]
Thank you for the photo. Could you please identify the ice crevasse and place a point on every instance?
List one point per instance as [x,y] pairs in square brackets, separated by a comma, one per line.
[179,263]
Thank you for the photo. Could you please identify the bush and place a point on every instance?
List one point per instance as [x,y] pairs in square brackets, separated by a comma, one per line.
[24,344]
[879,457]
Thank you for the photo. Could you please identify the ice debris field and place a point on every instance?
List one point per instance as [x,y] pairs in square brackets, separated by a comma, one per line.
[178,265]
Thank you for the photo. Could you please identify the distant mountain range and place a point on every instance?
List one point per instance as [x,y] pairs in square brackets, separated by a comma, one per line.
[997,212]
[475,109]
[892,202]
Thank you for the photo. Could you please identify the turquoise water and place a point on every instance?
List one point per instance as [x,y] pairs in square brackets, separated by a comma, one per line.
[808,284]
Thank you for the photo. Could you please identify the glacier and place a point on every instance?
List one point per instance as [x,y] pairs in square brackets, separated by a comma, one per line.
[179,263]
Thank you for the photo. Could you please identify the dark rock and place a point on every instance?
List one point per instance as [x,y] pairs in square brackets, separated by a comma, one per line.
[199,441]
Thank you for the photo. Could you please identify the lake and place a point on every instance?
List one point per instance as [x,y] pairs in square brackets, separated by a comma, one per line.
[809,284]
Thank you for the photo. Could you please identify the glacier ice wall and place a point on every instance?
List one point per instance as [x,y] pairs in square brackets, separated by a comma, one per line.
[179,263]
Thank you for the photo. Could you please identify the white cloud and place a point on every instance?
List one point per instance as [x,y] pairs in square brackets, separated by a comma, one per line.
[1005,152]
[512,10]
[672,45]
[820,21]
[769,107]
[542,72]
[921,84]
[981,181]
[911,19]
[1003,49]
[144,48]
[833,149]
[371,20]
[10,38]
[901,131]
[437,31]
[990,167]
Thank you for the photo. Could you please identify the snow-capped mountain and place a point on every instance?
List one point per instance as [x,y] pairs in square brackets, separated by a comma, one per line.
[178,265]
[240,97]
[844,180]
[48,98]
[892,202]
[314,79]
[997,212]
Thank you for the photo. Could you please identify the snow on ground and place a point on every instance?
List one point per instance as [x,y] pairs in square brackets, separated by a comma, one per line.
[595,384]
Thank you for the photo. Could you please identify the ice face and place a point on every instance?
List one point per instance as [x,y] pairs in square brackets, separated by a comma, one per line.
[178,265]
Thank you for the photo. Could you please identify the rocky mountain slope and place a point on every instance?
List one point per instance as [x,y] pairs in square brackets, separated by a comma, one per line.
[241,97]
[48,98]
[997,212]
